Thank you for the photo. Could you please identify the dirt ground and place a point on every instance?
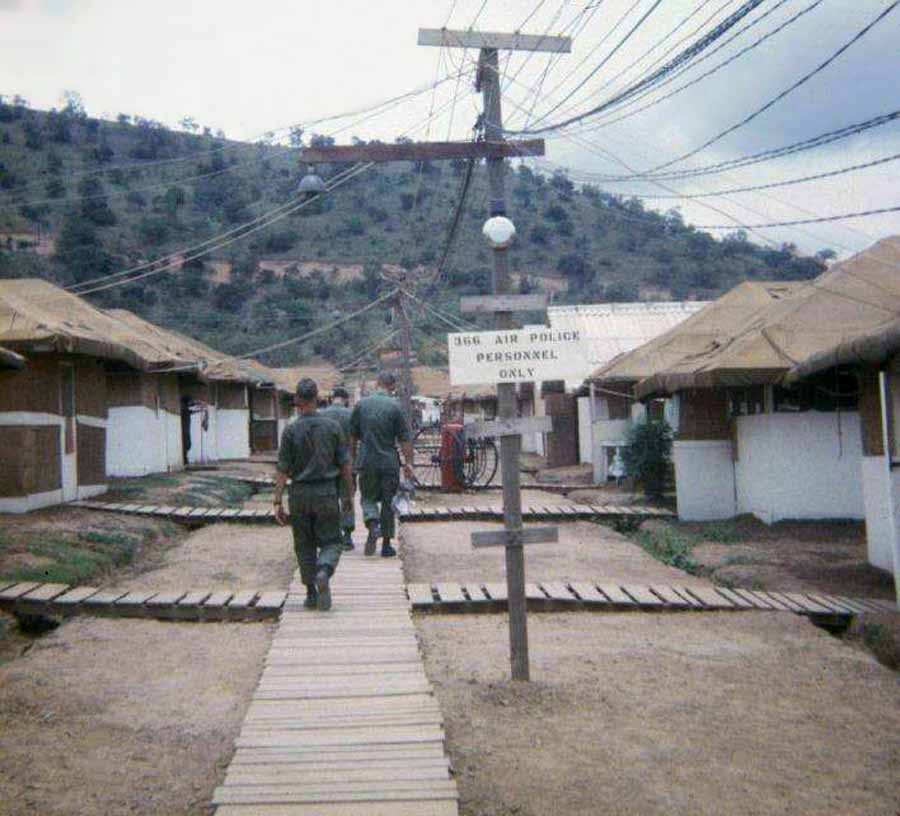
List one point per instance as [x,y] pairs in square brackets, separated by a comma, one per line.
[124,716]
[224,556]
[585,552]
[738,713]
[791,556]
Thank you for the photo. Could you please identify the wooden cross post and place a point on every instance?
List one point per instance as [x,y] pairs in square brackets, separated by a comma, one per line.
[513,537]
[494,149]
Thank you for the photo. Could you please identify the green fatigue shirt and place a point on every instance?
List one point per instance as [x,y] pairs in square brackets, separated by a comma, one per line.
[379,424]
[313,450]
[341,415]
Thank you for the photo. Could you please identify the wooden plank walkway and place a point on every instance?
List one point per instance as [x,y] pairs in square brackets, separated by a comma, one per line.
[557,595]
[61,600]
[210,515]
[344,720]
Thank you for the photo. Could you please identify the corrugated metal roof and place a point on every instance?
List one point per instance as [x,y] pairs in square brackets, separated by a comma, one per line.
[610,329]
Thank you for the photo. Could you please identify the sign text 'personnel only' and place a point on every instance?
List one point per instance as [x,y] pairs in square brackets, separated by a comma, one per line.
[521,355]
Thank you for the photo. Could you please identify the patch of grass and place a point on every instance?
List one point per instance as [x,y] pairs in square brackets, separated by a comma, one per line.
[879,640]
[79,560]
[720,532]
[669,545]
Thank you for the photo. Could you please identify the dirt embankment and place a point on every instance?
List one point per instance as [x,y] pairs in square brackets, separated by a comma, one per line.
[124,716]
[693,714]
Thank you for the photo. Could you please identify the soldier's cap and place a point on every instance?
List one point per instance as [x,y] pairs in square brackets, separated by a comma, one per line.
[307,390]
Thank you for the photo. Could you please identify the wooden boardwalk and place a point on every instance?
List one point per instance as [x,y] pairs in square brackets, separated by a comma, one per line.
[62,600]
[344,721]
[210,515]
[559,595]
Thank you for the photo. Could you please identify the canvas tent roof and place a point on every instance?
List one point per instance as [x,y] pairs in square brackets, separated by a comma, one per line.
[9,359]
[210,364]
[870,348]
[854,297]
[327,377]
[610,329]
[38,314]
[705,330]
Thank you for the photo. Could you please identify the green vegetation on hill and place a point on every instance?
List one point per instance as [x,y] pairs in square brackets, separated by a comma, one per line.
[115,194]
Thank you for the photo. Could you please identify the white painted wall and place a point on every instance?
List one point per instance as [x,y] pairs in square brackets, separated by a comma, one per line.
[877,486]
[704,479]
[799,466]
[25,504]
[233,433]
[585,442]
[140,440]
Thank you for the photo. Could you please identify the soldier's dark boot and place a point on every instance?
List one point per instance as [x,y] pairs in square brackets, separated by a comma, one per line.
[387,551]
[312,597]
[348,541]
[372,538]
[323,585]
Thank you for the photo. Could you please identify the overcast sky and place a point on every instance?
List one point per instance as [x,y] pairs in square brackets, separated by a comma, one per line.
[248,68]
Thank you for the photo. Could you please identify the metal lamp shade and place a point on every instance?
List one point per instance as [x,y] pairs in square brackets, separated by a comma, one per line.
[311,184]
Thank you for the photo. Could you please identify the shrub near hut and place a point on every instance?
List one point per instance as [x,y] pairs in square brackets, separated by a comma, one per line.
[648,455]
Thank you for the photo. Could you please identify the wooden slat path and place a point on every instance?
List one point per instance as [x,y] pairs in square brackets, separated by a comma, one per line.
[61,600]
[344,720]
[209,515]
[448,596]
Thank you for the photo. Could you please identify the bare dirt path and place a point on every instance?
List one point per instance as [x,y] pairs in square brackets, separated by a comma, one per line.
[119,716]
[139,717]
[738,713]
[642,713]
[443,552]
[225,556]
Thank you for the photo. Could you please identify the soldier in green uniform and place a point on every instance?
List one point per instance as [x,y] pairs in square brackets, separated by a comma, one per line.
[340,412]
[313,453]
[378,424]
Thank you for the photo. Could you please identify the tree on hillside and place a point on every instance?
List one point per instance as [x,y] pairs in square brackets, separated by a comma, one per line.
[94,208]
[80,250]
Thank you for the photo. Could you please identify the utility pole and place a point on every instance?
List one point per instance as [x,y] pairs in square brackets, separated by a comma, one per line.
[488,82]
[406,384]
[494,149]
[507,408]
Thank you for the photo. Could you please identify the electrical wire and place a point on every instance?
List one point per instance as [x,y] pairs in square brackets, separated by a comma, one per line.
[329,327]
[601,65]
[711,72]
[780,96]
[774,184]
[818,220]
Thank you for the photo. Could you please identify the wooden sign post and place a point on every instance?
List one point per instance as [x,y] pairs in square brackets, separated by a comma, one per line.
[488,82]
[494,149]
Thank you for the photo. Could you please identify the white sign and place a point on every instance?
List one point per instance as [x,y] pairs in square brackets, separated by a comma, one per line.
[518,355]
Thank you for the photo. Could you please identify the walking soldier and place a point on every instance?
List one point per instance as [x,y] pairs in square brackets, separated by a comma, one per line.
[313,454]
[378,424]
[341,413]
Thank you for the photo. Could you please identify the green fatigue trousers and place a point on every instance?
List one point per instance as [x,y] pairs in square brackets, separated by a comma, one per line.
[348,518]
[316,524]
[378,486]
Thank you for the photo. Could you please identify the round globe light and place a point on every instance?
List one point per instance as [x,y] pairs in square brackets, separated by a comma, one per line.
[499,232]
[311,184]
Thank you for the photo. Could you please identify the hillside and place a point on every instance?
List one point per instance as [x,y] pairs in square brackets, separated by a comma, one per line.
[82,198]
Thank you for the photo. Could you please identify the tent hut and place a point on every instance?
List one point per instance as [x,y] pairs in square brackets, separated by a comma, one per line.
[54,410]
[327,377]
[749,444]
[874,357]
[612,385]
[213,403]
